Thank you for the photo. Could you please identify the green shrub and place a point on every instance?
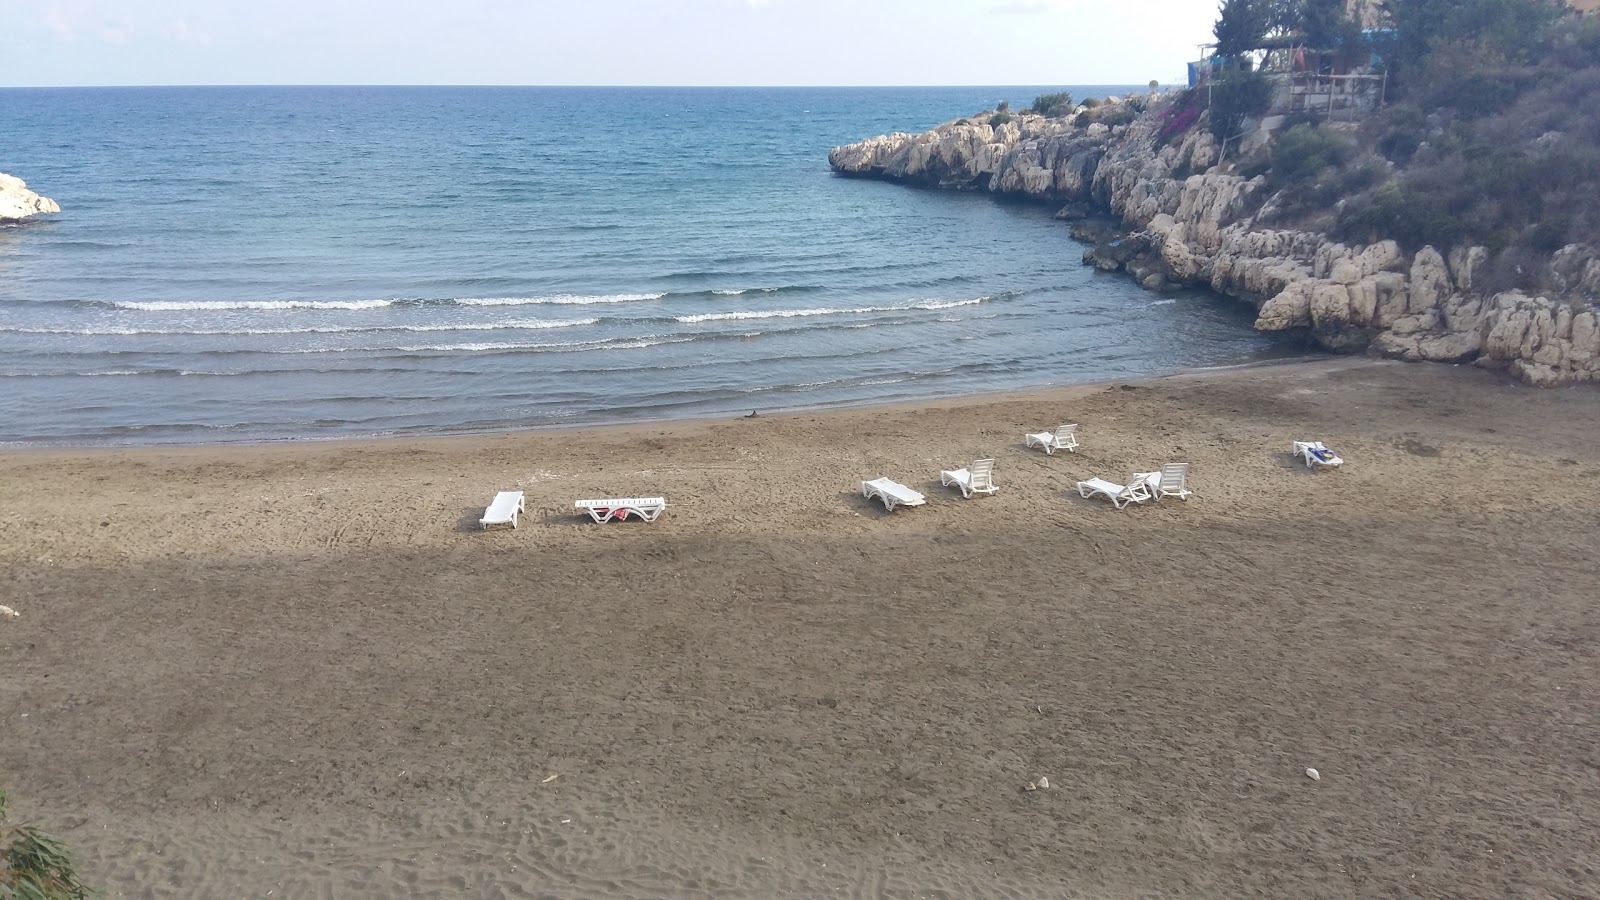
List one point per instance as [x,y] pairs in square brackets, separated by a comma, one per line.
[999,118]
[1305,150]
[1004,106]
[1235,96]
[1400,212]
[1253,169]
[1402,131]
[1090,102]
[1116,115]
[1317,190]
[35,865]
[1549,236]
[1515,31]
[1052,105]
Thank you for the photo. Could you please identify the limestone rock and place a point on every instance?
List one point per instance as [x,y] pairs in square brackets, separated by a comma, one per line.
[1393,296]
[1417,347]
[17,202]
[1464,263]
[1199,230]
[1430,281]
[1291,308]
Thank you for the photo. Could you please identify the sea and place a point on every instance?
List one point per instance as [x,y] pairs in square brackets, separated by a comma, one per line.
[290,263]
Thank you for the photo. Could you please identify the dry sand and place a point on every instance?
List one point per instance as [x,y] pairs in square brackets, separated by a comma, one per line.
[299,670]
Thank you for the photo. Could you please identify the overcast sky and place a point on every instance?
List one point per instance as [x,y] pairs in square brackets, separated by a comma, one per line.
[599,42]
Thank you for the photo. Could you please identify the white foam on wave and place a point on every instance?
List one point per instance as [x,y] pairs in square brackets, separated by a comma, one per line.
[562,299]
[260,305]
[508,325]
[555,347]
[764,314]
[825,311]
[217,305]
[729,293]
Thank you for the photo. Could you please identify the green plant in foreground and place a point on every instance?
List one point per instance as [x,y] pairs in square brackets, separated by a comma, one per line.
[35,865]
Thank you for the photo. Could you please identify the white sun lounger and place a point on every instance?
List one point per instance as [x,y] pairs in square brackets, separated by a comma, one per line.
[1136,491]
[1171,481]
[1063,438]
[892,493]
[1315,454]
[979,479]
[620,508]
[503,511]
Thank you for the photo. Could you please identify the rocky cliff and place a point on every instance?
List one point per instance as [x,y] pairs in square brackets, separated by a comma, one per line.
[1198,229]
[17,202]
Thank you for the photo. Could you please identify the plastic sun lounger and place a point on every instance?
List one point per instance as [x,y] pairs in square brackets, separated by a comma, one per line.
[1136,491]
[503,511]
[1315,454]
[979,479]
[646,508]
[1171,481]
[892,493]
[1063,438]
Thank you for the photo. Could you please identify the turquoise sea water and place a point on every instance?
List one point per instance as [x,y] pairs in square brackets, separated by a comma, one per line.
[266,263]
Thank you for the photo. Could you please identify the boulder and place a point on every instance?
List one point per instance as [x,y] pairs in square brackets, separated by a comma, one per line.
[1430,281]
[1291,308]
[17,202]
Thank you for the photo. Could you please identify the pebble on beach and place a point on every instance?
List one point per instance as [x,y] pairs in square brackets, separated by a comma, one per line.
[1313,774]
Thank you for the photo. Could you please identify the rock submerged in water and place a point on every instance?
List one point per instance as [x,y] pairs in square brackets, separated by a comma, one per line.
[17,202]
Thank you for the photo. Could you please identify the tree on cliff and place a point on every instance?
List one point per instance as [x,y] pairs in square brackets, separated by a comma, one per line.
[1326,25]
[1503,32]
[1241,26]
[35,865]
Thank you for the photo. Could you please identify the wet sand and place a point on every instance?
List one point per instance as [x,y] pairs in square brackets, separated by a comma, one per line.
[300,670]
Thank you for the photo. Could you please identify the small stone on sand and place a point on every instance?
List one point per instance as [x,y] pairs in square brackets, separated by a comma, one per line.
[1313,774]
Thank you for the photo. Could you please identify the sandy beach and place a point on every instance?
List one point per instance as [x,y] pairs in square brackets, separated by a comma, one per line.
[300,670]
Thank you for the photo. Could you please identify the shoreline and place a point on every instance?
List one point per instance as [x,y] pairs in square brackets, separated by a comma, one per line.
[1310,357]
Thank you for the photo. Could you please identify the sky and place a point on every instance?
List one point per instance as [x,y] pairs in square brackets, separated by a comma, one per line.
[601,42]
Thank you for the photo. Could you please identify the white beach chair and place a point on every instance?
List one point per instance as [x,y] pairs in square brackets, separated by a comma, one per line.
[979,479]
[1315,454]
[620,508]
[1137,490]
[892,493]
[1063,438]
[1171,481]
[503,511]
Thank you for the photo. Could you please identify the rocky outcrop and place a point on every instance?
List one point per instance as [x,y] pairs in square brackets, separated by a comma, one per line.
[17,202]
[1190,222]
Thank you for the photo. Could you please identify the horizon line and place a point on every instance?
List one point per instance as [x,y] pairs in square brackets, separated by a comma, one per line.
[352,84]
